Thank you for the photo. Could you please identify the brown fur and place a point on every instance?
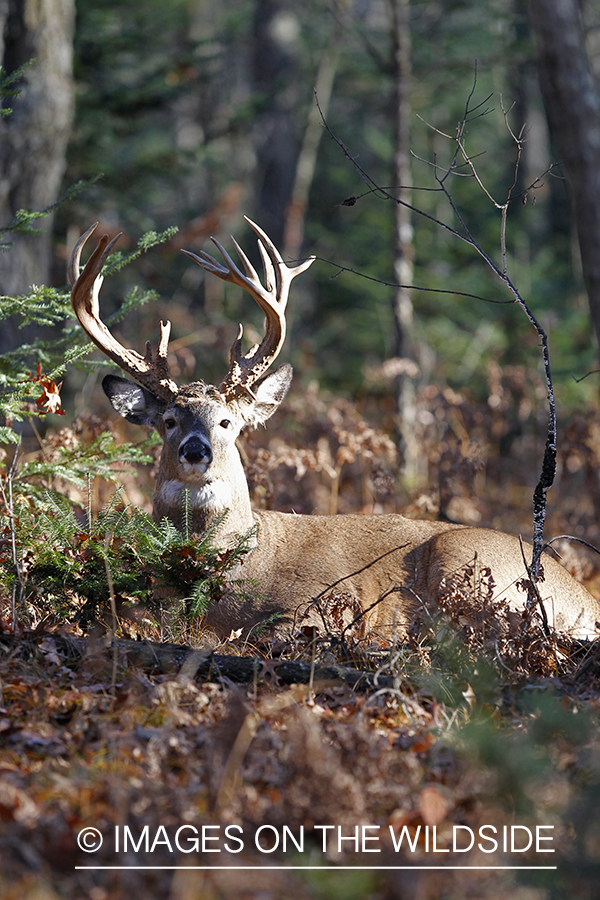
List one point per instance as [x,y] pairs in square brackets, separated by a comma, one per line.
[306,570]
[300,558]
[324,571]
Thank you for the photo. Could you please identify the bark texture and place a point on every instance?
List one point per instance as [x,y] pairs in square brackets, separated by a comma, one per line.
[572,104]
[274,77]
[33,139]
[201,665]
[402,306]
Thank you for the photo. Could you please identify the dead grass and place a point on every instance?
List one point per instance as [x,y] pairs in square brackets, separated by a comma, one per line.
[485,722]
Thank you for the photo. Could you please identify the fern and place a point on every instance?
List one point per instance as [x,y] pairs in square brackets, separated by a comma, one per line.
[37,479]
[55,558]
[46,306]
[7,92]
[65,563]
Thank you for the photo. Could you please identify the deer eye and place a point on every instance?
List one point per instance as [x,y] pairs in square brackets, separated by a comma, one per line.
[170,423]
[225,423]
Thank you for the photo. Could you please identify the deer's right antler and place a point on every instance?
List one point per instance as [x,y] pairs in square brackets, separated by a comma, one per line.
[150,372]
[245,370]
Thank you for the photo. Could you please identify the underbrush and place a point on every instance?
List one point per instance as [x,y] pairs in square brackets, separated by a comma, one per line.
[445,740]
[480,719]
[75,510]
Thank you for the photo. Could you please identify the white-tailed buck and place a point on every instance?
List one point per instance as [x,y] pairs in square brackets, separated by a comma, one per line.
[373,569]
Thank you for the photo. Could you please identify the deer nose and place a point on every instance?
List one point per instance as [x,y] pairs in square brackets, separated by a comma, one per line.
[195,450]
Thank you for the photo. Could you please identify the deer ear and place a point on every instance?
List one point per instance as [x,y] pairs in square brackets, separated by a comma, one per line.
[134,403]
[269,392]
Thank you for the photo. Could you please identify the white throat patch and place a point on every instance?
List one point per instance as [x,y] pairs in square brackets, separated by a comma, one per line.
[215,495]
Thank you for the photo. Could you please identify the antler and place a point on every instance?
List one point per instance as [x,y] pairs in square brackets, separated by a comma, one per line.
[149,372]
[245,370]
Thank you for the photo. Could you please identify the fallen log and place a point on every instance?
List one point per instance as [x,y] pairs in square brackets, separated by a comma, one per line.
[155,658]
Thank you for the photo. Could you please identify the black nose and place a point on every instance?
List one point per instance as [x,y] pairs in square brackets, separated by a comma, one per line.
[195,450]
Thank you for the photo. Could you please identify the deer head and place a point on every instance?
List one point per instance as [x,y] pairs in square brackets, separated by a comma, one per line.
[199,423]
[384,564]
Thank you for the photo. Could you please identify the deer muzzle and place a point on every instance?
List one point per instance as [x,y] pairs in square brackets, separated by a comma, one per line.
[195,451]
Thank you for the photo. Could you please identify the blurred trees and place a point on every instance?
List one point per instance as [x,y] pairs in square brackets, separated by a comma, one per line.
[198,111]
[573,103]
[403,247]
[33,139]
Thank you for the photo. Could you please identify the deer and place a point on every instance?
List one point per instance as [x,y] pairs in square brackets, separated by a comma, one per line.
[370,573]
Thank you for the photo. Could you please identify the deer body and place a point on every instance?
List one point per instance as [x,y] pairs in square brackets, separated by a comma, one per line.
[298,558]
[323,571]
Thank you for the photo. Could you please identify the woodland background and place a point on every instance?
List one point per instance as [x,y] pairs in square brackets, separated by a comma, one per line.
[197,114]
[418,387]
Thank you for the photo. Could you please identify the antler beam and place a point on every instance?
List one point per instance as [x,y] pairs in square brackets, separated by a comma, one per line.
[245,370]
[150,372]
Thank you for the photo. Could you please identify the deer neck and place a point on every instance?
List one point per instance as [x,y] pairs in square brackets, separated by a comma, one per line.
[218,496]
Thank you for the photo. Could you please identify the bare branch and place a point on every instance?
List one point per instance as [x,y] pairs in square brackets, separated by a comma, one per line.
[549,460]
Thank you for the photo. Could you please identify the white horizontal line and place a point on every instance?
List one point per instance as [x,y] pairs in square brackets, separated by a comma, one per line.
[320,868]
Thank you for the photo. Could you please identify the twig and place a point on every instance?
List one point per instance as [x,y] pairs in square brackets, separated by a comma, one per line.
[113,608]
[8,501]
[315,601]
[359,571]
[412,287]
[548,468]
[587,374]
[393,590]
[569,537]
[533,592]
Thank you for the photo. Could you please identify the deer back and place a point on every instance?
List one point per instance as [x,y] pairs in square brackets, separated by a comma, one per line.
[368,572]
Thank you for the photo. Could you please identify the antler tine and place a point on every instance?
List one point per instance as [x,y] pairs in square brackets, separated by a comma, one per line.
[231,273]
[150,373]
[285,272]
[272,297]
[73,265]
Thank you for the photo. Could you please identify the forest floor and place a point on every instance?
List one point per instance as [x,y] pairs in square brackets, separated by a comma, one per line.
[299,781]
[463,766]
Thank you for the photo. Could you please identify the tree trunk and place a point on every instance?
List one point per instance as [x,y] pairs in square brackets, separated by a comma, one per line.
[33,139]
[573,108]
[403,238]
[307,160]
[274,69]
